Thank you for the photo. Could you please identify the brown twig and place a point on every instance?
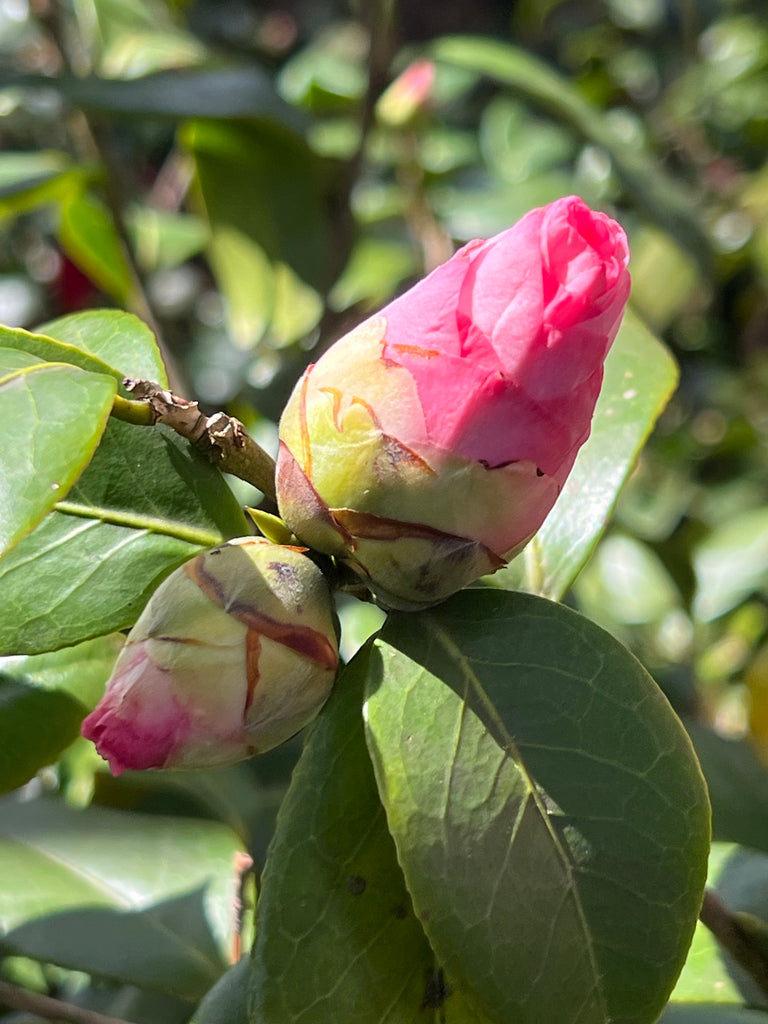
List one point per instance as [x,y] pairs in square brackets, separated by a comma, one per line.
[222,438]
[735,939]
[52,1009]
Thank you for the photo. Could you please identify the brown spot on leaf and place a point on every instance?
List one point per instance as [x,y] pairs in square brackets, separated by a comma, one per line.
[356,885]
[436,989]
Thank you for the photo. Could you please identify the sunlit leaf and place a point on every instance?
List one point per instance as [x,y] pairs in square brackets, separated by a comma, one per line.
[731,563]
[51,419]
[147,502]
[119,339]
[158,892]
[548,811]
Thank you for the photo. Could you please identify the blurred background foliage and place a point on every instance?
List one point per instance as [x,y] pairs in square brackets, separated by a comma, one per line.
[252,178]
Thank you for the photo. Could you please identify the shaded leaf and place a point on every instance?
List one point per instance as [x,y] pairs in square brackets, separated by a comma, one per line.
[51,419]
[35,727]
[224,92]
[264,183]
[168,948]
[738,787]
[661,197]
[43,700]
[227,1001]
[147,502]
[333,895]
[53,858]
[640,376]
[707,1013]
[549,814]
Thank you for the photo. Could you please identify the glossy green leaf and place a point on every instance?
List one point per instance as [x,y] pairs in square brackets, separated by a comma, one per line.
[121,340]
[35,727]
[12,360]
[333,896]
[730,564]
[147,502]
[640,376]
[158,893]
[51,419]
[661,197]
[549,814]
[87,233]
[47,350]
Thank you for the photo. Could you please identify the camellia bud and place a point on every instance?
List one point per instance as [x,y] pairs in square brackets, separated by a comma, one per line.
[409,94]
[234,653]
[426,447]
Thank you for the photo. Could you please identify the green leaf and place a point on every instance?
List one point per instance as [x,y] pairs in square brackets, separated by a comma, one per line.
[49,351]
[121,340]
[87,233]
[158,893]
[80,671]
[332,893]
[266,184]
[51,418]
[227,1001]
[705,1013]
[742,885]
[35,727]
[147,502]
[231,93]
[43,700]
[738,787]
[730,564]
[27,180]
[705,977]
[548,811]
[661,196]
[640,376]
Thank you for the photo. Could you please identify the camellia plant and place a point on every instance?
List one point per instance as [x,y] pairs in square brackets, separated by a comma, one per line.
[496,815]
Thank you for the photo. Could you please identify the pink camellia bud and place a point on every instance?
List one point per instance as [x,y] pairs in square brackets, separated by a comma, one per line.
[426,447]
[409,94]
[234,653]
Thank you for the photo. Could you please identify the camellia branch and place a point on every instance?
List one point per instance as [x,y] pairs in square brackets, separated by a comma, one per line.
[52,1009]
[222,438]
[735,939]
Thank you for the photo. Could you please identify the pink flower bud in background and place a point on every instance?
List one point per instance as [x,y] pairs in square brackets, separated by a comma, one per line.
[234,653]
[426,447]
[409,94]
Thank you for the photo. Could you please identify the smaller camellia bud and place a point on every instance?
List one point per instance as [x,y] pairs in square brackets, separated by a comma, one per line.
[235,652]
[408,95]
